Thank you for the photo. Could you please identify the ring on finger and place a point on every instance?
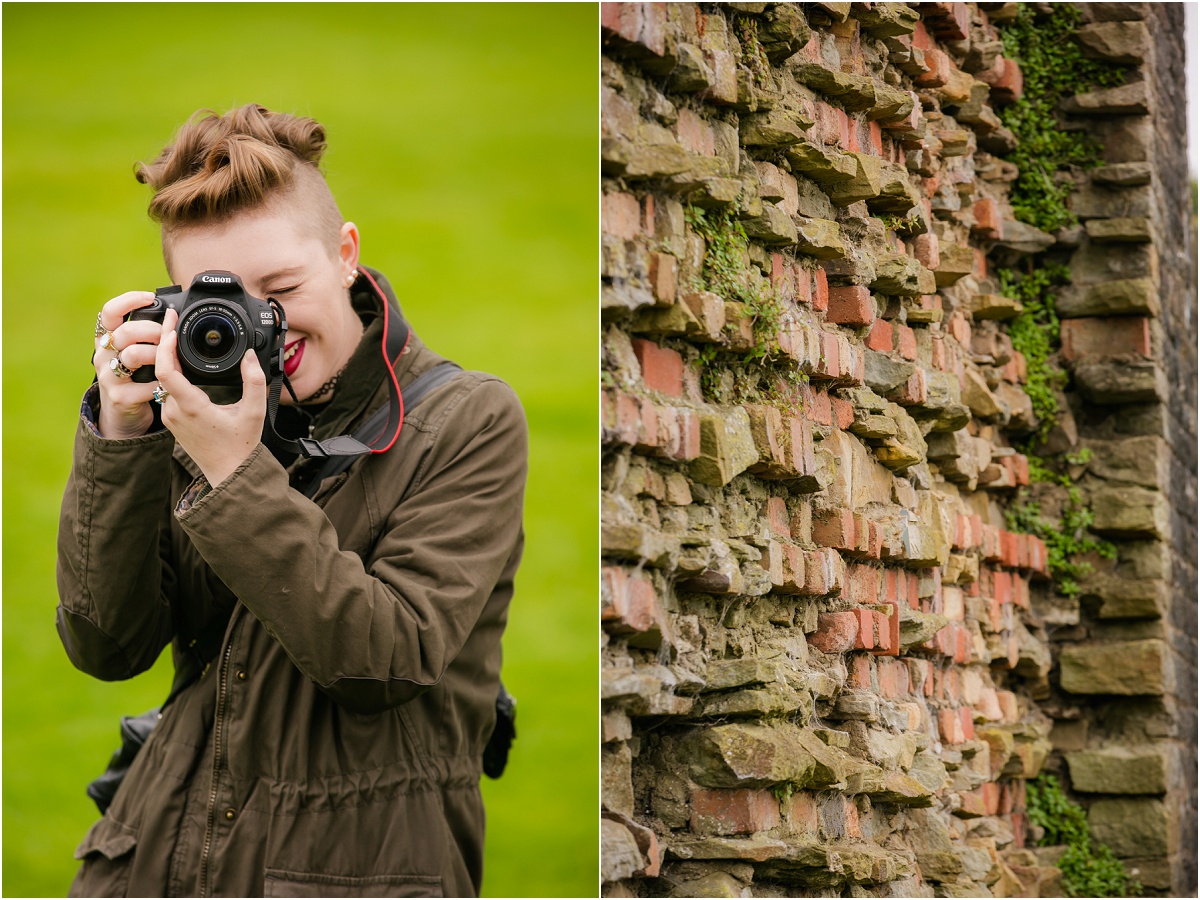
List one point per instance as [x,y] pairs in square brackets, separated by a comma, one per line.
[109,344]
[100,329]
[161,394]
[119,368]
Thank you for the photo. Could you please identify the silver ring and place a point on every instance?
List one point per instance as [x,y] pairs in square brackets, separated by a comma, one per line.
[100,329]
[119,368]
[160,395]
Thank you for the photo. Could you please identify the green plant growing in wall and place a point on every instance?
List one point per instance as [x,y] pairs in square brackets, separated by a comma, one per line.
[1067,539]
[1090,869]
[1035,334]
[727,274]
[1053,66]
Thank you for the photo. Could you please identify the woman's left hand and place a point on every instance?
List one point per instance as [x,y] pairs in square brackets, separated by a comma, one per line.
[219,438]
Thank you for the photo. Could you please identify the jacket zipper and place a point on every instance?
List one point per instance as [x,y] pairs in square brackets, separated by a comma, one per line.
[210,824]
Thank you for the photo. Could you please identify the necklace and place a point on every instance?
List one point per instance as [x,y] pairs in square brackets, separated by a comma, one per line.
[326,388]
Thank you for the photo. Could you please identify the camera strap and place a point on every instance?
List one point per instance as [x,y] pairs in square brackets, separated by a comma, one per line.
[396,335]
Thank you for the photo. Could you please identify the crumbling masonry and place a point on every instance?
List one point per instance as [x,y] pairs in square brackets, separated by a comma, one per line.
[830,665]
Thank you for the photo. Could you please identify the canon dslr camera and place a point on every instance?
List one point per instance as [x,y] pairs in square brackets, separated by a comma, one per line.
[218,322]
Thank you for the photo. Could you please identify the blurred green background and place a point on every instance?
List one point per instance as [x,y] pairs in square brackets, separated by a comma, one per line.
[462,142]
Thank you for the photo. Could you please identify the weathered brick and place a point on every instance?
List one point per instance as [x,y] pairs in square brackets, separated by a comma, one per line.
[836,632]
[621,215]
[737,811]
[662,368]
[851,305]
[1111,336]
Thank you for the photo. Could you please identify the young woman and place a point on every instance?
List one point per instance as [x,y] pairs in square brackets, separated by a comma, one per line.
[331,744]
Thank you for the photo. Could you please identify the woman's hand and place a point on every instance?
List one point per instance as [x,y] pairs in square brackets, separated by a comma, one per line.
[125,404]
[218,438]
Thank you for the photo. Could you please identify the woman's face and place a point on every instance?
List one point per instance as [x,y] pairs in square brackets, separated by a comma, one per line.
[275,258]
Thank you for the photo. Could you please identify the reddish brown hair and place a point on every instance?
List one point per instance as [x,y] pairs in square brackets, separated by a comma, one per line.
[248,159]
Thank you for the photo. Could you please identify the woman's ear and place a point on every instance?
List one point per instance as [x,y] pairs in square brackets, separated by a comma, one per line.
[348,248]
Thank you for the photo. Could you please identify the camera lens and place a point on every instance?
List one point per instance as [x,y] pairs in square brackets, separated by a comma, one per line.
[213,336]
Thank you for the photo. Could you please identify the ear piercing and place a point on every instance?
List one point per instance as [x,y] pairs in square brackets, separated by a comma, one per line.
[352,277]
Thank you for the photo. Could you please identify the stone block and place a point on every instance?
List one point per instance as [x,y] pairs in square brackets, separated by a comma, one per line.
[1119,382]
[866,183]
[1128,668]
[1126,100]
[1130,512]
[820,238]
[620,856]
[1119,770]
[726,447]
[1120,230]
[1140,827]
[1124,43]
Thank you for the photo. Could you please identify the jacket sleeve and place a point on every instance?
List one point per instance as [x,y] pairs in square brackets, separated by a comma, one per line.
[374,635]
[114,614]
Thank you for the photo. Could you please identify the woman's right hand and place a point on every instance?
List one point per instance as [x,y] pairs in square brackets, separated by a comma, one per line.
[124,403]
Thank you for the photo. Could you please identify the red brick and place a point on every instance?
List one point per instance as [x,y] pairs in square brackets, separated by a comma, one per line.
[662,368]
[939,69]
[695,134]
[913,589]
[972,805]
[820,296]
[968,722]
[640,24]
[804,285]
[738,811]
[777,517]
[862,584]
[648,435]
[686,443]
[888,671]
[821,410]
[915,391]
[883,632]
[989,791]
[833,528]
[1008,549]
[851,305]
[824,572]
[836,632]
[859,671]
[959,328]
[621,215]
[1005,77]
[880,337]
[949,21]
[987,219]
[801,454]
[663,270]
[843,412]
[832,125]
[839,817]
[906,342]
[828,365]
[874,135]
[950,725]
[628,604]
[920,676]
[866,629]
[1112,336]
[802,814]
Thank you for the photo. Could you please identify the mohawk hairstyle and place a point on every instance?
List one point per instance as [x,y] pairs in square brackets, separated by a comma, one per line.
[220,166]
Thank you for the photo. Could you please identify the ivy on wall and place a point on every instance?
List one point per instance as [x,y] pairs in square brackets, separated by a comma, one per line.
[1089,867]
[1053,66]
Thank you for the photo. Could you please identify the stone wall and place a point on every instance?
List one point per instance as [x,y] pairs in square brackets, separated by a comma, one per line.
[829,664]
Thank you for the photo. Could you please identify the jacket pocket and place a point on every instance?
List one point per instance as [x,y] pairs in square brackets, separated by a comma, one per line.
[281,883]
[107,855]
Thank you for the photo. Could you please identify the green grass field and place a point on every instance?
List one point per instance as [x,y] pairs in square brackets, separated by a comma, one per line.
[462,143]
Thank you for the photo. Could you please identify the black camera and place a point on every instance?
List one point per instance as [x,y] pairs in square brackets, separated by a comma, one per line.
[218,322]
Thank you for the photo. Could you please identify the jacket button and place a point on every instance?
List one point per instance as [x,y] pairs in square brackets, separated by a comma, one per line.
[230,814]
[241,675]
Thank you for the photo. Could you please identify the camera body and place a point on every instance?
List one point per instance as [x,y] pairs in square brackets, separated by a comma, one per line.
[218,322]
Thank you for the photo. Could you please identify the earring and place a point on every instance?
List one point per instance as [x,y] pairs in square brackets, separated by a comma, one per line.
[350,279]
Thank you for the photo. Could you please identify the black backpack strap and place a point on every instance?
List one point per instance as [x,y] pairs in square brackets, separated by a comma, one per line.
[412,394]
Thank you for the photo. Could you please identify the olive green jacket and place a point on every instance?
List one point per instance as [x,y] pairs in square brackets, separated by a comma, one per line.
[333,747]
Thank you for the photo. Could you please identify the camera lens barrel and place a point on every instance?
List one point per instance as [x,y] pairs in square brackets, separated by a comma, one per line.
[214,335]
